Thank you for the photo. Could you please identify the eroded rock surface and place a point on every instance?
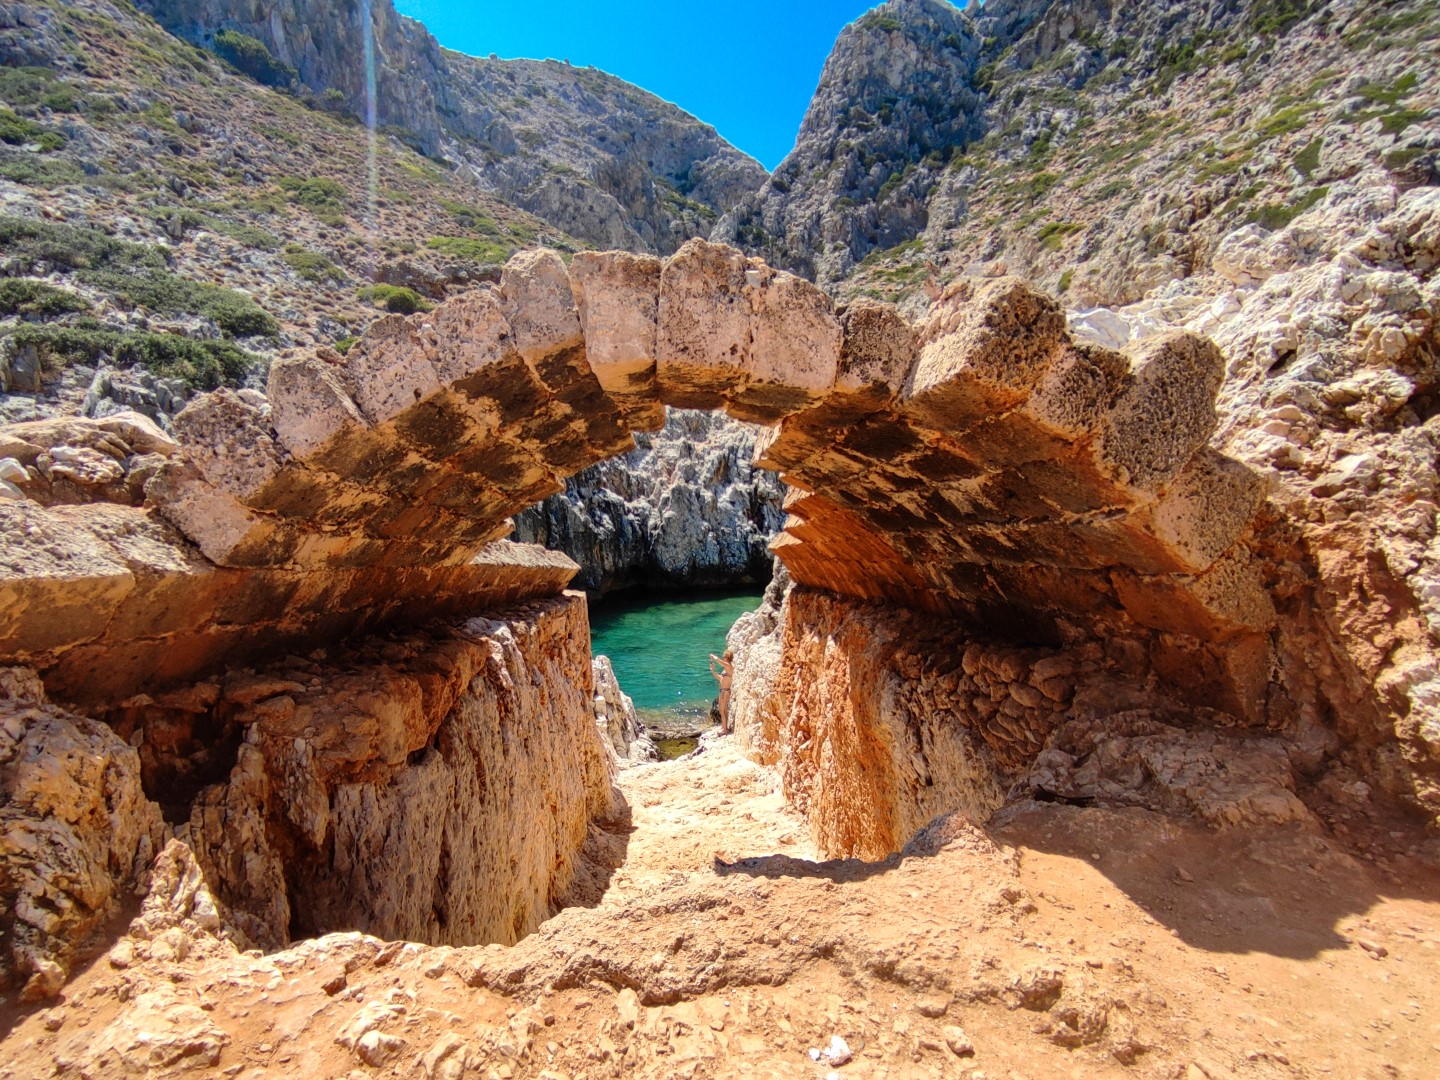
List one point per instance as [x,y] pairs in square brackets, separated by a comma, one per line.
[687,507]
[77,834]
[427,786]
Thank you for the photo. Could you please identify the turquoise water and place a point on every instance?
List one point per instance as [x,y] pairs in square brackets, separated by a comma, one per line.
[660,645]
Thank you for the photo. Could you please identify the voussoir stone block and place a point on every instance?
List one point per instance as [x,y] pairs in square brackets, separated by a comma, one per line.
[618,296]
[228,532]
[703,340]
[1066,406]
[388,370]
[540,304]
[309,405]
[878,350]
[1165,413]
[228,440]
[1002,342]
[1202,513]
[1227,600]
[794,346]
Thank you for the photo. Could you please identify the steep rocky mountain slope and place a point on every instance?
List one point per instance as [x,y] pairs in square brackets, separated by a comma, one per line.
[1098,149]
[596,157]
[170,223]
[161,211]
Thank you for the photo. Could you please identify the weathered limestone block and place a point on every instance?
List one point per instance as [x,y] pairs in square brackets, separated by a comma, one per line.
[735,334]
[1166,413]
[867,756]
[226,833]
[1202,514]
[309,405]
[74,460]
[1228,599]
[1066,406]
[878,351]
[389,369]
[618,295]
[616,719]
[983,355]
[540,306]
[794,346]
[703,339]
[76,833]
[58,583]
[1134,758]
[106,600]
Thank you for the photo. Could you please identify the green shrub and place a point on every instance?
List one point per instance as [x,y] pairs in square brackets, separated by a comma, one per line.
[1396,122]
[168,293]
[40,172]
[1278,215]
[312,266]
[1286,121]
[345,344]
[20,296]
[396,299]
[25,85]
[1065,279]
[1277,16]
[470,249]
[203,365]
[323,197]
[1308,160]
[249,235]
[71,247]
[882,23]
[250,56]
[135,273]
[18,131]
[1053,234]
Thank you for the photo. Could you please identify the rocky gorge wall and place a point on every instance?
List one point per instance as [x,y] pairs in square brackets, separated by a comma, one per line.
[879,720]
[687,507]
[434,785]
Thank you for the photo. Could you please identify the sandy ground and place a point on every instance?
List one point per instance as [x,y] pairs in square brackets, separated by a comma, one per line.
[1057,941]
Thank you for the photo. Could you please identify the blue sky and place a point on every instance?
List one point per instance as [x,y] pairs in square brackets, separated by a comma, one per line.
[748,67]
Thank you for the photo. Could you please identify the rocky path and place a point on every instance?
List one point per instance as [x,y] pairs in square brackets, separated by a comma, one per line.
[1057,942]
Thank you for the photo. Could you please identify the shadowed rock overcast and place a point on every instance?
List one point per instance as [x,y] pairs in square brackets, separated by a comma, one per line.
[1072,380]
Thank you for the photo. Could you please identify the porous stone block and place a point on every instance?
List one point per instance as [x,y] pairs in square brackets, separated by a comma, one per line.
[228,441]
[618,295]
[877,352]
[1003,342]
[59,583]
[540,305]
[309,405]
[1165,413]
[227,531]
[794,347]
[388,370]
[703,341]
[1207,507]
[1227,600]
[1066,406]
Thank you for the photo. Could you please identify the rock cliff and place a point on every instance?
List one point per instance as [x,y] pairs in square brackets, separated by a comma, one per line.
[1101,149]
[596,157]
[686,508]
[437,786]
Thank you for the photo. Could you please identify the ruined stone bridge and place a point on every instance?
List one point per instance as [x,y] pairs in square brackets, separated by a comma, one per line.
[983,466]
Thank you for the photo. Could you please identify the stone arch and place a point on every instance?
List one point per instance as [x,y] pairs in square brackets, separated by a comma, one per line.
[983,465]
